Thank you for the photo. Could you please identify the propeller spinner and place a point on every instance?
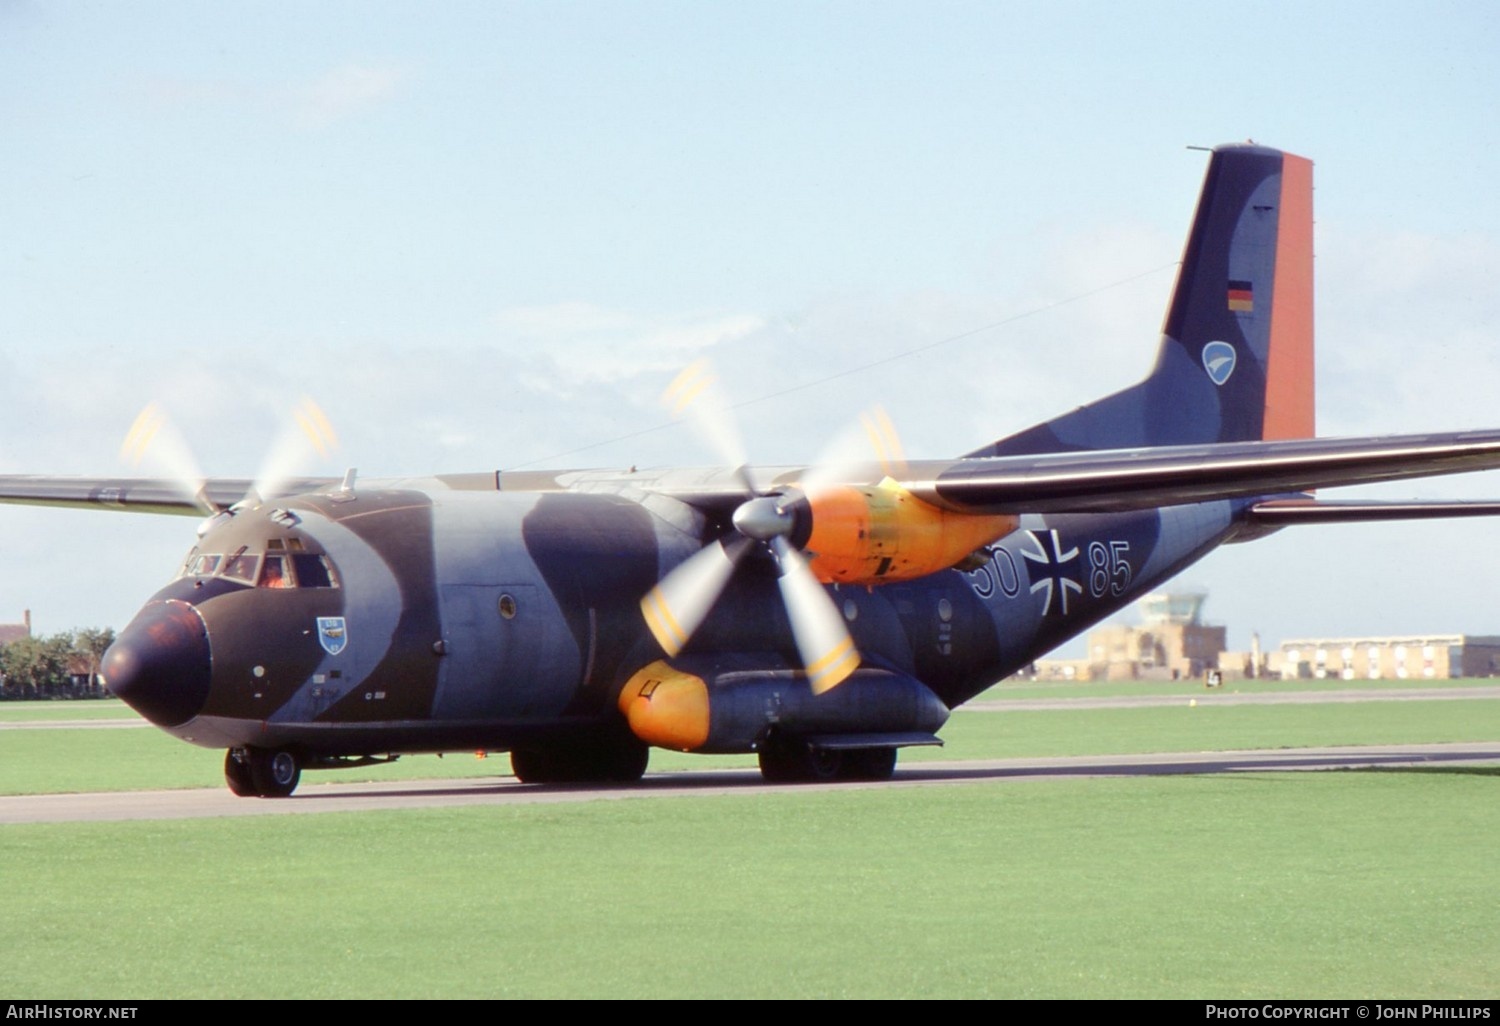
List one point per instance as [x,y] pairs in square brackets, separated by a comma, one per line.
[682,600]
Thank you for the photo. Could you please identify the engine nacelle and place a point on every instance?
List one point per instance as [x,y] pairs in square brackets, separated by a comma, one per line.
[882,533]
[721,705]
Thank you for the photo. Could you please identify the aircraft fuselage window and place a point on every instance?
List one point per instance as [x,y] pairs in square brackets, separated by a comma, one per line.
[205,565]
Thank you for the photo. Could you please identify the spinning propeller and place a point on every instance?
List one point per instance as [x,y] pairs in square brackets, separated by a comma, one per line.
[154,438]
[767,521]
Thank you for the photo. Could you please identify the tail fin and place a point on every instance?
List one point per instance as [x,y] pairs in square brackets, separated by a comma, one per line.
[1236,356]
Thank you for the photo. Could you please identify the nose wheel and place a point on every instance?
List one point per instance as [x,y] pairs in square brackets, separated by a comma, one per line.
[262,772]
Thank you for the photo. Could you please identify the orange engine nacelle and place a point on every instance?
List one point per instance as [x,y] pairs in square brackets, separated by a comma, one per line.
[872,535]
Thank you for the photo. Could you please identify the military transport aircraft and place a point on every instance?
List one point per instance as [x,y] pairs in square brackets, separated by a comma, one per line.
[820,617]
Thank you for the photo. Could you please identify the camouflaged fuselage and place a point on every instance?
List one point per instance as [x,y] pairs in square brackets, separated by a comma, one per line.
[454,619]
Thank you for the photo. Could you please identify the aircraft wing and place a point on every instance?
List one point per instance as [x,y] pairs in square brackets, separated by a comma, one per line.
[136,495]
[1119,480]
[1113,480]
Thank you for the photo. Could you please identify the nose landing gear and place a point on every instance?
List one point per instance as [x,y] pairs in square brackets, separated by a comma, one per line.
[262,772]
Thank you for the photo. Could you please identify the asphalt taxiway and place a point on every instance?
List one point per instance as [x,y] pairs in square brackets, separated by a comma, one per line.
[345,797]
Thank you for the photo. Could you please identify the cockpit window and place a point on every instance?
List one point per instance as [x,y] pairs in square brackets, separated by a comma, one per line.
[274,574]
[285,564]
[314,571]
[241,565]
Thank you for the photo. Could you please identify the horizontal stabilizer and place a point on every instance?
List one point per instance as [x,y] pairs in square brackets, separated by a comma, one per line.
[1295,512]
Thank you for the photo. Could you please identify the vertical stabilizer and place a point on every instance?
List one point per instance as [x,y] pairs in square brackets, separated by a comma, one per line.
[1235,362]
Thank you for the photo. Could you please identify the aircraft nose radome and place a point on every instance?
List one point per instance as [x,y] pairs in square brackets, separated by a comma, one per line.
[160,664]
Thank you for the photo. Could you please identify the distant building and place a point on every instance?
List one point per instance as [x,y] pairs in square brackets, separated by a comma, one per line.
[1171,643]
[1413,657]
[10,632]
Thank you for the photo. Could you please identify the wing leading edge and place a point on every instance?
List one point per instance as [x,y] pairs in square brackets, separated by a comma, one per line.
[134,494]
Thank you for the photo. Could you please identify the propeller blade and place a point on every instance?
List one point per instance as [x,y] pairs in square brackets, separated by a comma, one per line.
[153,436]
[827,651]
[682,600]
[310,433]
[857,453]
[695,393]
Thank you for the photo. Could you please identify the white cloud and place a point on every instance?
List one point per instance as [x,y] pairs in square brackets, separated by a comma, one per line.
[335,95]
[345,91]
[584,344]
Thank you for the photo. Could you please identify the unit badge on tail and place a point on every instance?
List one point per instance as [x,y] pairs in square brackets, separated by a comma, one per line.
[1218,360]
[332,634]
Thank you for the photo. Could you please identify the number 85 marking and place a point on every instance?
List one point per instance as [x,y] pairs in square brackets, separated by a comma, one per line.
[1109,569]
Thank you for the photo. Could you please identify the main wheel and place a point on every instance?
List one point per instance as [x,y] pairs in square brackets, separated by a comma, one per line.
[612,760]
[789,761]
[535,766]
[869,764]
[275,771]
[622,760]
[237,775]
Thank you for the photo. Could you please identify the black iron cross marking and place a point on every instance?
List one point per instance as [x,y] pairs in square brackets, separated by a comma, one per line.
[1050,562]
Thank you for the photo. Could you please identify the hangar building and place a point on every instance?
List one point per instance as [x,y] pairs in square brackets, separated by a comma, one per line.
[1400,658]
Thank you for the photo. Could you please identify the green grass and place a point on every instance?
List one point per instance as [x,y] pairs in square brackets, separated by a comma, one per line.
[1019,689]
[83,709]
[1208,728]
[1253,885]
[1375,884]
[61,760]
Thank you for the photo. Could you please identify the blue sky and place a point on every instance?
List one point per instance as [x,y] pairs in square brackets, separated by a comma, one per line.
[486,235]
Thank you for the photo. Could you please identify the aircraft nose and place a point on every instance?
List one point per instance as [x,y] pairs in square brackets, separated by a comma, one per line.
[161,663]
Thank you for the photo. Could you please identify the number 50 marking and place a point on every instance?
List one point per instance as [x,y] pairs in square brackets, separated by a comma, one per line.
[1109,570]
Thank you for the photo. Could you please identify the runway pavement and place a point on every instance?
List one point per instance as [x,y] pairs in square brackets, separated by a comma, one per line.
[335,797]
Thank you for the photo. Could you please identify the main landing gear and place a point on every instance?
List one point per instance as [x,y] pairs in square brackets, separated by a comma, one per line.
[262,772]
[790,761]
[617,759]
